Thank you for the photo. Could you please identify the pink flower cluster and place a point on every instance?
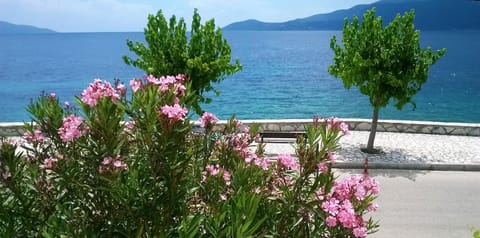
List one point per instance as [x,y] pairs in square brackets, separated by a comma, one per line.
[52,97]
[112,165]
[340,209]
[49,164]
[6,175]
[164,83]
[98,90]
[240,142]
[174,113]
[261,162]
[216,170]
[288,162]
[72,128]
[337,124]
[136,84]
[37,136]
[208,120]
[130,124]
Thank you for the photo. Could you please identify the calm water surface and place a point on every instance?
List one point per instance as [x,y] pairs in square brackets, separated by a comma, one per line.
[284,75]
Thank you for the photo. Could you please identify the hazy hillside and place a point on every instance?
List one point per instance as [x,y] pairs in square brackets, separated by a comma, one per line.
[9,28]
[430,15]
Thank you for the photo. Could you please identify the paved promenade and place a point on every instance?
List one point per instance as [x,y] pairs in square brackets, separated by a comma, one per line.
[403,151]
[400,151]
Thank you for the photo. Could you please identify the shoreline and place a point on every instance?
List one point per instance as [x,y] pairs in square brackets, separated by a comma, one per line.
[355,124]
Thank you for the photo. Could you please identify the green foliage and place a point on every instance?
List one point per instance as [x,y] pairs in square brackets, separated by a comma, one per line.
[205,56]
[476,233]
[383,62]
[19,214]
[135,167]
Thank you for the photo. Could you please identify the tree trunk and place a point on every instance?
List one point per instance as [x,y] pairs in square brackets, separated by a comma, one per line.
[373,131]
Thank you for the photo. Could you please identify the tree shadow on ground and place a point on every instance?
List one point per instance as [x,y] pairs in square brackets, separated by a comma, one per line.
[389,173]
[392,162]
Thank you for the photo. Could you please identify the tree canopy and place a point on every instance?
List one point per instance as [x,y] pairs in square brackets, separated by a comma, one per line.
[385,62]
[205,56]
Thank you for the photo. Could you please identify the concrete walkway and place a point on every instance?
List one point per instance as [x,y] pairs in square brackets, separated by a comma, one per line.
[427,204]
[402,151]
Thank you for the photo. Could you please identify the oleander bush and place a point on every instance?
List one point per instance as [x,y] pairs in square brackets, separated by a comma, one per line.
[118,164]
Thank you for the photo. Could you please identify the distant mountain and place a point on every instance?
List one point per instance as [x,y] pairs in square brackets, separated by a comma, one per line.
[429,15]
[9,28]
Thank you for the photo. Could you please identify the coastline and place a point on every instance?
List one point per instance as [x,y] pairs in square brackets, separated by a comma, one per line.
[9,129]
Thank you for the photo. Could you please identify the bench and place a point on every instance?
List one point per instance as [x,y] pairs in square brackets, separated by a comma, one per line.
[280,135]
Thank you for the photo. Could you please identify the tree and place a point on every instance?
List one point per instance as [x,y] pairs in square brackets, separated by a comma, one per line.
[384,62]
[205,56]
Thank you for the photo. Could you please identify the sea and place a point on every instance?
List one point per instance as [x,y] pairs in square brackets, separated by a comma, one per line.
[284,75]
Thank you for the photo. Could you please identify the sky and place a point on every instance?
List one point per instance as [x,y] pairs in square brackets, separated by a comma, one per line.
[131,15]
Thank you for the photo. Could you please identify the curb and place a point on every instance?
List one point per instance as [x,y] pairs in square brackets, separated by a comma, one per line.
[412,166]
[402,166]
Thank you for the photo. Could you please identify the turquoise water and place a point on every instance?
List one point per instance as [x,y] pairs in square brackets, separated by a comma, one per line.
[284,75]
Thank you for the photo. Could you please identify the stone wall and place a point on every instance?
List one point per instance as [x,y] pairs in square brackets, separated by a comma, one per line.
[424,127]
[295,125]
[11,129]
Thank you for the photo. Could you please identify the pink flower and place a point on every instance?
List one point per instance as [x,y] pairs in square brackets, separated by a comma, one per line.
[165,82]
[135,84]
[331,206]
[72,128]
[288,162]
[360,193]
[331,157]
[263,163]
[121,89]
[36,137]
[152,80]
[323,168]
[344,128]
[212,170]
[250,158]
[371,185]
[6,175]
[372,207]
[179,89]
[181,78]
[112,165]
[336,124]
[175,112]
[346,218]
[223,197]
[207,120]
[130,124]
[119,164]
[52,97]
[107,160]
[360,231]
[226,175]
[331,221]
[319,195]
[98,90]
[49,163]
[342,190]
